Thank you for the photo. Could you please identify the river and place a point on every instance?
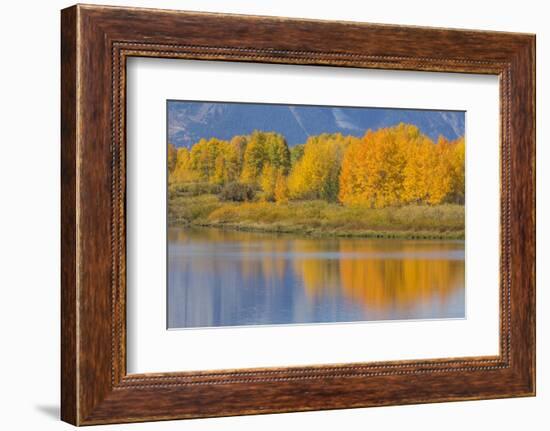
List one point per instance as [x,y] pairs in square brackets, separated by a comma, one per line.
[233,278]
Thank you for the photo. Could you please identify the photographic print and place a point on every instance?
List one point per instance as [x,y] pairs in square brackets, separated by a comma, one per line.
[297,214]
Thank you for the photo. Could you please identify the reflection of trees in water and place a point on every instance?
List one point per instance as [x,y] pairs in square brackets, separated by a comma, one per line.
[379,274]
[274,265]
[320,275]
[399,282]
[392,274]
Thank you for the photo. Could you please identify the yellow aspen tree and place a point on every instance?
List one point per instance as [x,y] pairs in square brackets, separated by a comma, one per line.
[458,159]
[416,173]
[315,174]
[353,180]
[233,160]
[374,170]
[267,181]
[281,188]
[182,172]
[220,173]
[440,172]
[172,157]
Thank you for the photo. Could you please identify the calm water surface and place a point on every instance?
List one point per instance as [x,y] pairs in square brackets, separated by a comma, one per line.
[229,278]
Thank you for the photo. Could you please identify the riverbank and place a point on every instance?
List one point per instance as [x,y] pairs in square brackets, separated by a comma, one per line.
[319,218]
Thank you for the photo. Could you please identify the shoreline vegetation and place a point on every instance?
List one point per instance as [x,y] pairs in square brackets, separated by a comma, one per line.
[318,218]
[391,183]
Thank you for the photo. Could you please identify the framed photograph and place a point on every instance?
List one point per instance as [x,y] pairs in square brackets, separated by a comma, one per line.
[265,215]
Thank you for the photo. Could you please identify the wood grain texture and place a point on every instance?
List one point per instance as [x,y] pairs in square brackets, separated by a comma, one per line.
[96,41]
[69,397]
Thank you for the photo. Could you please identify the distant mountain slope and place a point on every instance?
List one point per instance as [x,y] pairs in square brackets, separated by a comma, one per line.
[190,121]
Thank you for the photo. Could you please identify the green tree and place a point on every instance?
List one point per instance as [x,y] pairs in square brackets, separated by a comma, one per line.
[203,157]
[264,148]
[296,153]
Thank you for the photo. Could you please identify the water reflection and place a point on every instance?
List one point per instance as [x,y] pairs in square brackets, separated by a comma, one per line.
[227,278]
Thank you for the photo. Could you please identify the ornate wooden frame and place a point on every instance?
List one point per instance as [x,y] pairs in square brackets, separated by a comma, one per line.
[95,43]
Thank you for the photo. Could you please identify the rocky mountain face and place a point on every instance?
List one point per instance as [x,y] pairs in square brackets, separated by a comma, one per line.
[190,121]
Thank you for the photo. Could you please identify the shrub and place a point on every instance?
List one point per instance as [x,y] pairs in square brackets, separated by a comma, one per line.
[237,192]
[193,189]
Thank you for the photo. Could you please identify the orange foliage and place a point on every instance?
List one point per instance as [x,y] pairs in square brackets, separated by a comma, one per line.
[399,165]
[391,166]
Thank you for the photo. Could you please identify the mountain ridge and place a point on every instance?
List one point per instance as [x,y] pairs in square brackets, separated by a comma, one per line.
[188,122]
